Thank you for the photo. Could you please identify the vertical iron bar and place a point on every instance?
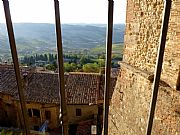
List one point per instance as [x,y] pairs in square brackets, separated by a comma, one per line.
[16,64]
[108,64]
[61,70]
[164,29]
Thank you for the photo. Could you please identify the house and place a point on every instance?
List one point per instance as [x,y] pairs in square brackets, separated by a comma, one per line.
[84,97]
[8,116]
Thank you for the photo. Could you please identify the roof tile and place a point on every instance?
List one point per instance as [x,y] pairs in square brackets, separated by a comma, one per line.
[81,88]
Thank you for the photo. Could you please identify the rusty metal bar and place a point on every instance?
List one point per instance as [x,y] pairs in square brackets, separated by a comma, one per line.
[61,70]
[164,29]
[16,64]
[108,65]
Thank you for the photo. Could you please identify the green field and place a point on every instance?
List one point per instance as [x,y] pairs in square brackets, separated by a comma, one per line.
[116,49]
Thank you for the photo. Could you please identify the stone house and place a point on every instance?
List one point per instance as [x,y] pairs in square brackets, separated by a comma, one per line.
[42,101]
[84,94]
[8,116]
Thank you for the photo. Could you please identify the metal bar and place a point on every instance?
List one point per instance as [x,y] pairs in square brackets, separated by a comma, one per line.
[16,64]
[108,64]
[164,29]
[61,70]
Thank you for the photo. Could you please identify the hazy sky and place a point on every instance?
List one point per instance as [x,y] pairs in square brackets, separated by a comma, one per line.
[72,11]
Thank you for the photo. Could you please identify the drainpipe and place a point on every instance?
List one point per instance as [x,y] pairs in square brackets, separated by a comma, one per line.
[63,105]
[16,64]
[108,65]
[164,29]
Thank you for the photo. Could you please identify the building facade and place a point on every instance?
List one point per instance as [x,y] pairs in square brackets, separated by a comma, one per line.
[84,97]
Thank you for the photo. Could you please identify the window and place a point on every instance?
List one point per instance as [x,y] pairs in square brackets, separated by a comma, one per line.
[36,128]
[36,113]
[7,104]
[78,112]
[100,110]
[6,114]
[48,115]
[29,113]
[1,102]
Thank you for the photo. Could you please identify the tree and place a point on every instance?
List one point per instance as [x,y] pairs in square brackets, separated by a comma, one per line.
[31,60]
[101,62]
[51,57]
[101,56]
[45,57]
[85,60]
[91,67]
[70,67]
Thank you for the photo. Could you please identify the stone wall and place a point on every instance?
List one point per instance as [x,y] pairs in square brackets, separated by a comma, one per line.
[87,112]
[171,65]
[130,103]
[7,111]
[143,24]
[38,121]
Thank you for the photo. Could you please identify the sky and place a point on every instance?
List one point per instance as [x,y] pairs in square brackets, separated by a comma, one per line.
[71,11]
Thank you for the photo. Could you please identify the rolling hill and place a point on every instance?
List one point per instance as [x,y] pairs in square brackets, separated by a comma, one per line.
[40,37]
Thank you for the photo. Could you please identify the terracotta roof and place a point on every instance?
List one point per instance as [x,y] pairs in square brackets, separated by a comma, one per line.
[7,81]
[40,87]
[43,87]
[114,72]
[102,84]
[81,88]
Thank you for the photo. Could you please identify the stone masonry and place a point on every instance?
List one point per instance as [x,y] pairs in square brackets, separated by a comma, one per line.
[130,103]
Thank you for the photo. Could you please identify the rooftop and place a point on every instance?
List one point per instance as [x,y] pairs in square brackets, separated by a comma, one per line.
[81,88]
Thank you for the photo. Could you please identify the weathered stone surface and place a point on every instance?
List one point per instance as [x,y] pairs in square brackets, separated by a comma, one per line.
[132,95]
[130,106]
[130,103]
[143,26]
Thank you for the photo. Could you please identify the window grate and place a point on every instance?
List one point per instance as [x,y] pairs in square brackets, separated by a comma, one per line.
[108,65]
[16,64]
[159,61]
[63,110]
[63,107]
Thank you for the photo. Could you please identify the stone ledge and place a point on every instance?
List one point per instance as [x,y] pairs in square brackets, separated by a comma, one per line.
[145,74]
[148,75]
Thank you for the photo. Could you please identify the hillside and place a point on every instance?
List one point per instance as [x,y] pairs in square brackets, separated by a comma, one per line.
[40,37]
